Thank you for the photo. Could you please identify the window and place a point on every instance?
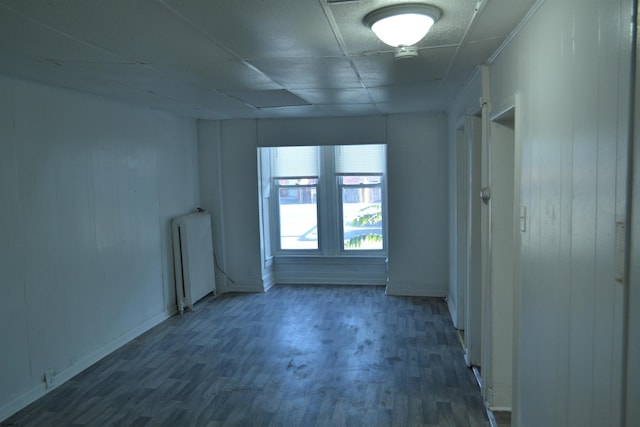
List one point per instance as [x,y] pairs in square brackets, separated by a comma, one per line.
[328,200]
[298,213]
[361,212]
[360,171]
[295,176]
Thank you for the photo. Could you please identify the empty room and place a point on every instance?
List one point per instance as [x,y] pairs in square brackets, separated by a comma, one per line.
[436,230]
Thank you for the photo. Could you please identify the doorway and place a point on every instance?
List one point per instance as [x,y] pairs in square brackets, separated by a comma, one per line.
[501,261]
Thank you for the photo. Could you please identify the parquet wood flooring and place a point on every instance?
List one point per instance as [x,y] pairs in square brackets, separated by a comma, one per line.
[294,356]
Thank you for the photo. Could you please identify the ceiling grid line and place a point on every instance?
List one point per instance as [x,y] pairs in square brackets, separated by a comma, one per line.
[343,47]
[251,58]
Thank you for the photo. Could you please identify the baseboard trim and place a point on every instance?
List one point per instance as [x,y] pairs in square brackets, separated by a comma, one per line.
[496,415]
[246,288]
[415,291]
[453,312]
[268,281]
[66,374]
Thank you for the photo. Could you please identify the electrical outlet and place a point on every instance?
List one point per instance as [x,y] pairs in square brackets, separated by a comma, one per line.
[48,378]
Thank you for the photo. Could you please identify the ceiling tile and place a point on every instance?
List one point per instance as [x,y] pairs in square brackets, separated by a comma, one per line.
[23,37]
[309,73]
[225,75]
[247,58]
[404,93]
[269,98]
[384,69]
[263,29]
[141,30]
[335,96]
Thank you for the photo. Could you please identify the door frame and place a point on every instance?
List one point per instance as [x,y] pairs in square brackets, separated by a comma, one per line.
[501,287]
[473,307]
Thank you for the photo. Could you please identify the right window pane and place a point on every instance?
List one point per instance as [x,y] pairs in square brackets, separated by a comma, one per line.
[362,212]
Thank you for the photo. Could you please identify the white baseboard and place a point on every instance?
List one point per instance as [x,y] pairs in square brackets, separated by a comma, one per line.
[453,312]
[246,287]
[416,290]
[268,281]
[66,374]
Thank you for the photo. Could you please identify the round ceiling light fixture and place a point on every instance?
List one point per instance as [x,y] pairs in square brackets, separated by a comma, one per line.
[403,25]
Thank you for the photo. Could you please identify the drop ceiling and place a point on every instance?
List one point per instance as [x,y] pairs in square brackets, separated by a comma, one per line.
[215,59]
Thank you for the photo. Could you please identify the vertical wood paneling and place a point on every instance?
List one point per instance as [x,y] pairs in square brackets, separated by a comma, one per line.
[570,65]
[632,371]
[89,187]
[13,325]
[462,215]
[583,221]
[607,329]
[210,185]
[466,105]
[175,196]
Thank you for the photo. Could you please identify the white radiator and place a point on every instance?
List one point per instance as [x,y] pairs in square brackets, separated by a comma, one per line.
[193,258]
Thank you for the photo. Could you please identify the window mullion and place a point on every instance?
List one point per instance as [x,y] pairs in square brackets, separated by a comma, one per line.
[327,203]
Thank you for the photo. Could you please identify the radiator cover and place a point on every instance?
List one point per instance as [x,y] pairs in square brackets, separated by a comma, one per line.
[193,258]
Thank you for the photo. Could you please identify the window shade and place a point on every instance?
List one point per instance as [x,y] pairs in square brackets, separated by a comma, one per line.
[295,161]
[369,158]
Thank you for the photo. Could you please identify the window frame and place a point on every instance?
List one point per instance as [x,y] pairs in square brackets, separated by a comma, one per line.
[277,237]
[329,211]
[381,185]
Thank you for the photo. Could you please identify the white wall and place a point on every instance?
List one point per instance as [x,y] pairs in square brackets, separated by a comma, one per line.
[467,104]
[417,186]
[632,388]
[229,190]
[418,199]
[87,189]
[570,67]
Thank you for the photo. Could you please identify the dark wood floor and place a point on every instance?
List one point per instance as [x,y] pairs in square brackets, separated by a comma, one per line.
[294,356]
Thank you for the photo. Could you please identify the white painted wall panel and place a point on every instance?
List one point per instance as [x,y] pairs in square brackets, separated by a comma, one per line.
[418,220]
[456,294]
[13,322]
[467,104]
[229,188]
[177,186]
[632,371]
[570,66]
[326,131]
[240,192]
[210,186]
[90,187]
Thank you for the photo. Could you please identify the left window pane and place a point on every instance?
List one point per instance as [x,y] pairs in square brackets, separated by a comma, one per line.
[298,209]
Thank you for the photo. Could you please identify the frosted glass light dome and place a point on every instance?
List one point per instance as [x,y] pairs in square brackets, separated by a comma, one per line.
[403,24]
